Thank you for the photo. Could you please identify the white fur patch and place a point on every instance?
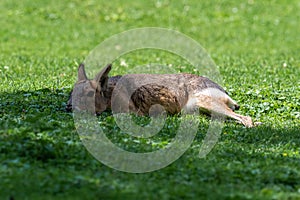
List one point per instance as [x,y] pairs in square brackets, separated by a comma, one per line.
[191,105]
[214,94]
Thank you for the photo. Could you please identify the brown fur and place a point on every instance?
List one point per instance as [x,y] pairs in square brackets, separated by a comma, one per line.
[139,92]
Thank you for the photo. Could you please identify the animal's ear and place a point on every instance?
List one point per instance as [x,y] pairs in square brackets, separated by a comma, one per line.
[81,73]
[102,77]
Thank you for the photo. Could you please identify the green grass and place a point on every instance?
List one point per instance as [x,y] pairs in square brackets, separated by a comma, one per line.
[256,46]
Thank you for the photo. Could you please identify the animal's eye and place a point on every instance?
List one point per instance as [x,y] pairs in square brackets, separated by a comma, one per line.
[90,94]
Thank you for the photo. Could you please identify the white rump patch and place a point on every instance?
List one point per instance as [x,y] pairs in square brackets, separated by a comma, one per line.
[212,94]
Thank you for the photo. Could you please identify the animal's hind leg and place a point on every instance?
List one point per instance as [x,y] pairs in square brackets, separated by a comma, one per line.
[245,120]
[217,106]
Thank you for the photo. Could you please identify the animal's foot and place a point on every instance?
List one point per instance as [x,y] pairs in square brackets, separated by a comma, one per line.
[247,121]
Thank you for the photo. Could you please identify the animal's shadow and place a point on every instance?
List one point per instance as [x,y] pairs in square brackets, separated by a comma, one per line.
[37,110]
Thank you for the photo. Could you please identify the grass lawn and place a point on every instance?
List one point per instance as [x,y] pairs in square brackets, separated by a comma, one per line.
[256,45]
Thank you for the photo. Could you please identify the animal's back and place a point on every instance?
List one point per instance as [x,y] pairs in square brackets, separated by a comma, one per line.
[172,91]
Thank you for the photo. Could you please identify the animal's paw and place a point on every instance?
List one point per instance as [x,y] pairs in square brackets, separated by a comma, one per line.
[247,121]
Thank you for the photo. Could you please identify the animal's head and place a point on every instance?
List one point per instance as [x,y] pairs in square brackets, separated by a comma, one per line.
[89,95]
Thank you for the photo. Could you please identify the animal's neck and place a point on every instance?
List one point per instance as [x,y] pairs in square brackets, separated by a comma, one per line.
[112,82]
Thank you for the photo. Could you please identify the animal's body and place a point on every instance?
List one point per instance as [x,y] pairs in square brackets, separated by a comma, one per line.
[138,92]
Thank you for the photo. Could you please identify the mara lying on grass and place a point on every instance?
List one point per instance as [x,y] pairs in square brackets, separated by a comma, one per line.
[175,92]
